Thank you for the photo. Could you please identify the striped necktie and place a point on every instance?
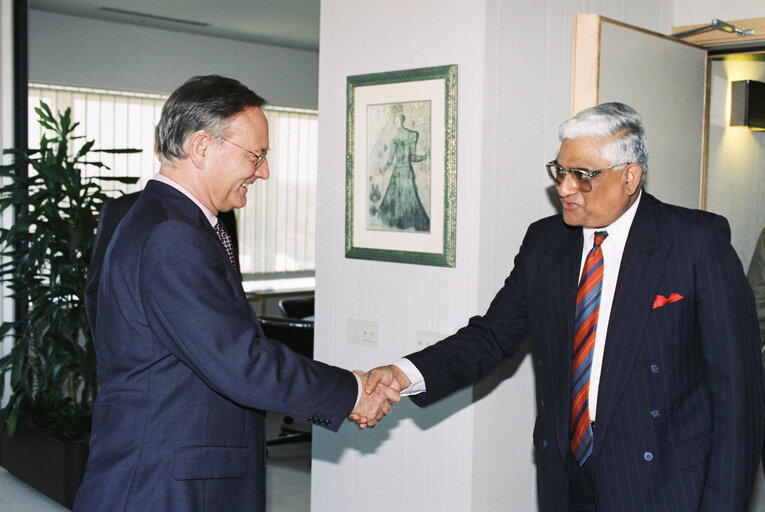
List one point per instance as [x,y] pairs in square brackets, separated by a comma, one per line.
[225,239]
[587,308]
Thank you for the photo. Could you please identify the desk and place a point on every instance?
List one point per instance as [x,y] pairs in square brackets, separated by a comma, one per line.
[258,291]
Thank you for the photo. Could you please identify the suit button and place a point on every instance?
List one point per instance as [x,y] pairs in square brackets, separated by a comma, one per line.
[655,413]
[541,403]
[648,456]
[544,443]
[655,368]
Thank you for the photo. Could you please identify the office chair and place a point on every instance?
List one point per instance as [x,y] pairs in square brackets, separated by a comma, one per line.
[297,307]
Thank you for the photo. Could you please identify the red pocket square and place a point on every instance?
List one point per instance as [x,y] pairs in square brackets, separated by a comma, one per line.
[661,300]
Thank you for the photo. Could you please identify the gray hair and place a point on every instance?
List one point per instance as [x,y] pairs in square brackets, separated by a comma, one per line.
[202,103]
[606,120]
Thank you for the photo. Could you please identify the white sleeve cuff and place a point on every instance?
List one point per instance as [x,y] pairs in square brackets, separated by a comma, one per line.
[360,390]
[413,374]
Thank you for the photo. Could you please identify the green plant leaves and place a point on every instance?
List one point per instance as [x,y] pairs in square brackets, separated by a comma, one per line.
[47,252]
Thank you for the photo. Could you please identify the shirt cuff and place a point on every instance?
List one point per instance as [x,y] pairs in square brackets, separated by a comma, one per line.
[417,385]
[360,389]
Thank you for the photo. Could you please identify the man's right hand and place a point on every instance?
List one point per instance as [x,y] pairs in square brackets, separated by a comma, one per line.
[381,383]
[390,376]
[373,406]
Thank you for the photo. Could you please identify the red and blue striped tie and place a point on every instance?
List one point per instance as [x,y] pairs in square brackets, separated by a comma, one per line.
[587,309]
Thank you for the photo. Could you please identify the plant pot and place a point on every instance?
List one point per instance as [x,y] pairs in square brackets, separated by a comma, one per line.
[53,467]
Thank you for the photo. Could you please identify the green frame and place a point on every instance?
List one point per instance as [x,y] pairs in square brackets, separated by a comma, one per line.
[437,88]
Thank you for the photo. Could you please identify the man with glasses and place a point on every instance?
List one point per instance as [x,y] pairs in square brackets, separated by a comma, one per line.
[184,367]
[650,394]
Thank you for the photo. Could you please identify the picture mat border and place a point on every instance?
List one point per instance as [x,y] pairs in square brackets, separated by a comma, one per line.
[437,248]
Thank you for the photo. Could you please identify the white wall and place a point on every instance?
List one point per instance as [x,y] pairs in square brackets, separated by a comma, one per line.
[736,159]
[366,37]
[77,51]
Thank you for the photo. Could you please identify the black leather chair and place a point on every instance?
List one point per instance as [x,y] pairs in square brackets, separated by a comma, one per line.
[297,307]
[298,336]
[296,333]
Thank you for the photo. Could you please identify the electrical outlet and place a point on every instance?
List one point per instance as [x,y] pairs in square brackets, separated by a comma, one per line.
[363,332]
[424,339]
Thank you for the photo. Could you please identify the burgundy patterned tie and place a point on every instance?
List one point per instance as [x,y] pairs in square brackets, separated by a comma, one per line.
[587,309]
[225,239]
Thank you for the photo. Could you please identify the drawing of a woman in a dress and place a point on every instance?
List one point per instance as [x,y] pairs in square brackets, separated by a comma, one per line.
[401,206]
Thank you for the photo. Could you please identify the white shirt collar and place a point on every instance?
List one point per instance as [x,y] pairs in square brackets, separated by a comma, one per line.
[167,181]
[617,231]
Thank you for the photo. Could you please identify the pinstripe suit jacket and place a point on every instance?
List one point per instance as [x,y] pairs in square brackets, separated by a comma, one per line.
[680,407]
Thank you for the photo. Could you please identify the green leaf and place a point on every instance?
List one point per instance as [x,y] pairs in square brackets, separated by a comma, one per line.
[46,253]
[84,149]
[18,353]
[12,421]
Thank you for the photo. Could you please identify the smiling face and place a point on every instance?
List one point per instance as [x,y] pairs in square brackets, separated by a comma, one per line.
[230,169]
[613,192]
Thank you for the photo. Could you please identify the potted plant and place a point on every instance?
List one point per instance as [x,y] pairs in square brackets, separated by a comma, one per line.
[46,252]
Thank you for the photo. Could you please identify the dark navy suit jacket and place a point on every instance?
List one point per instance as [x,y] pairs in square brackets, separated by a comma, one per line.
[680,409]
[185,370]
[110,216]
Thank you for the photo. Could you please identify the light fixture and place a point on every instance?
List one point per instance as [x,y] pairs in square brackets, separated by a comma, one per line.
[747,104]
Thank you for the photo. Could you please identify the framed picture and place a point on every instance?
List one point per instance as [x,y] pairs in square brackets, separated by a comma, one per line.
[401,166]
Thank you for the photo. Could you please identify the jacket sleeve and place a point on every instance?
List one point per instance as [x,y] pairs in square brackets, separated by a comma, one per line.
[475,350]
[195,306]
[730,341]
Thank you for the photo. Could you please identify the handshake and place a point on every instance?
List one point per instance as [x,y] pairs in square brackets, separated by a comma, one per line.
[381,388]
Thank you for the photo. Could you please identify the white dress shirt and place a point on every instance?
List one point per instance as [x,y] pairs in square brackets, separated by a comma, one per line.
[613,248]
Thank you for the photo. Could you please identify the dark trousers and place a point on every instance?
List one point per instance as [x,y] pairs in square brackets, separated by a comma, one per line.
[581,486]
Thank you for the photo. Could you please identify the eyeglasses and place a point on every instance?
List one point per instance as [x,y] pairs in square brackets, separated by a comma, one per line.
[580,177]
[256,158]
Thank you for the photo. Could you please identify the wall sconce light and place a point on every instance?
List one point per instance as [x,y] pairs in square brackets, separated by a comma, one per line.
[747,104]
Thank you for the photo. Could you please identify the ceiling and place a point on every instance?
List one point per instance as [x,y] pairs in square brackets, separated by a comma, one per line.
[288,23]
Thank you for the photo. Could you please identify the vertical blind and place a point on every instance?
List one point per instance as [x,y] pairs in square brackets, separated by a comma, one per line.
[277,228]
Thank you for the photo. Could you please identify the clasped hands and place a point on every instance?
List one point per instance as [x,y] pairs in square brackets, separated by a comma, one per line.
[381,389]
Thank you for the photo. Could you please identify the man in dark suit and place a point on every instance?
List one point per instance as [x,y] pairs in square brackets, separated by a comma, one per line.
[110,216]
[649,385]
[185,369]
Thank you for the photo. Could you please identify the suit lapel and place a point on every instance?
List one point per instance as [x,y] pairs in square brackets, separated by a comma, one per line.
[639,278]
[195,216]
[563,274]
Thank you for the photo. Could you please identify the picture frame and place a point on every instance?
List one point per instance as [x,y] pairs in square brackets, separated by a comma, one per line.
[401,166]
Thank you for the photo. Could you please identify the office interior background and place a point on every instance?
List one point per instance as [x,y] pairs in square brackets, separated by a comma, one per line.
[474,450]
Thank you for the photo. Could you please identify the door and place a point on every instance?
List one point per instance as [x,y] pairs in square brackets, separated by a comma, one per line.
[662,78]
